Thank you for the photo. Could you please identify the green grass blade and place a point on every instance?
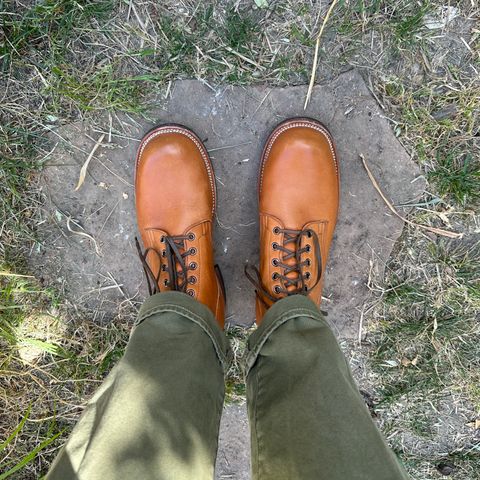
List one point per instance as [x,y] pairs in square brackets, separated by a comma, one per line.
[16,431]
[28,458]
[51,348]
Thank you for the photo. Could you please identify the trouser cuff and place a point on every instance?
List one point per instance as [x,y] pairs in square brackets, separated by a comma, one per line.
[279,313]
[197,312]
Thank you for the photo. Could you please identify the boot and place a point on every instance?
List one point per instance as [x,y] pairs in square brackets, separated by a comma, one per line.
[175,204]
[298,203]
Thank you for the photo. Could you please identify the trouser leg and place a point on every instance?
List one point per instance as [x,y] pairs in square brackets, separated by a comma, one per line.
[157,414]
[307,417]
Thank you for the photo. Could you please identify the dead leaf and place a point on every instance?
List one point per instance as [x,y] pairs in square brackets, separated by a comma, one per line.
[445,219]
[406,362]
[261,3]
[475,425]
[83,170]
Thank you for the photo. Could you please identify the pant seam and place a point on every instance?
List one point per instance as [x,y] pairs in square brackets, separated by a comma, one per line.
[257,430]
[221,402]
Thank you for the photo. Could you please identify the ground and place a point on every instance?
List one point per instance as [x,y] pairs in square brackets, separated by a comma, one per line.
[61,61]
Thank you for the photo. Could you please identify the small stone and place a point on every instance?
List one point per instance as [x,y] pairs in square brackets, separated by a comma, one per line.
[446,469]
[449,111]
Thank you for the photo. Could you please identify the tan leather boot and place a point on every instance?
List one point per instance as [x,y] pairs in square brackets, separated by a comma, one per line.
[175,202]
[298,203]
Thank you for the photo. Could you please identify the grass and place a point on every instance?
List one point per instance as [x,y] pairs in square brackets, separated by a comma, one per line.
[102,89]
[424,354]
[49,366]
[409,22]
[51,22]
[235,389]
[11,469]
[62,60]
[428,338]
[441,121]
[240,31]
[457,175]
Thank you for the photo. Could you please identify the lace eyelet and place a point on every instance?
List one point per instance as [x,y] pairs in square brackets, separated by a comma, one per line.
[276,289]
[308,275]
[276,230]
[191,292]
[193,251]
[275,262]
[192,280]
[275,245]
[165,283]
[309,262]
[193,265]
[191,236]
[164,253]
[162,239]
[309,234]
[275,276]
[308,247]
[164,268]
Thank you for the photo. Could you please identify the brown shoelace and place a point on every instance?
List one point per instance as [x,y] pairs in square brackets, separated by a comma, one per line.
[294,238]
[176,255]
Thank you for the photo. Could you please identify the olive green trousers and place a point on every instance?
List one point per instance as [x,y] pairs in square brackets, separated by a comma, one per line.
[157,415]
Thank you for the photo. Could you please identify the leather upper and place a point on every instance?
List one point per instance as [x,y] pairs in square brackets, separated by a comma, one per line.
[175,197]
[298,190]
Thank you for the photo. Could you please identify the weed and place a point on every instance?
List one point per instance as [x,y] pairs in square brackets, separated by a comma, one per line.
[409,23]
[457,175]
[239,31]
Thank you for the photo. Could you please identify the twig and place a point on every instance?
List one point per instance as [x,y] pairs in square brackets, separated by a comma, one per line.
[360,325]
[108,217]
[228,146]
[438,231]
[244,58]
[261,103]
[315,58]
[119,288]
[8,274]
